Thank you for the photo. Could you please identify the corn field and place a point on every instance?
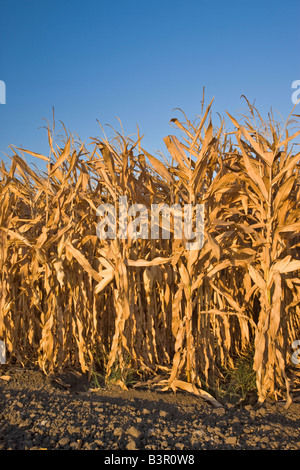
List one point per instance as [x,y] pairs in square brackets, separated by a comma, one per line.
[172,315]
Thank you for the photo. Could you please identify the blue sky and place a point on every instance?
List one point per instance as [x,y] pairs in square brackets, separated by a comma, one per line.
[139,60]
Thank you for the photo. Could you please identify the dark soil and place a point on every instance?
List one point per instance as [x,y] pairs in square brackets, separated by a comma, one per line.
[62,412]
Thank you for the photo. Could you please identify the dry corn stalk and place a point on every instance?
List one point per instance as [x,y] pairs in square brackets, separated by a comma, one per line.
[69,298]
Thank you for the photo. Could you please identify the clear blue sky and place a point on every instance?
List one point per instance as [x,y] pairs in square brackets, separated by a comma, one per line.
[138,60]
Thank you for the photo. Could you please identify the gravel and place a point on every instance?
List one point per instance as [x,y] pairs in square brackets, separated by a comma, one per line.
[63,412]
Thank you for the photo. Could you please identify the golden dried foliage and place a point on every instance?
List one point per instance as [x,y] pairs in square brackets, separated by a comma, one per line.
[68,297]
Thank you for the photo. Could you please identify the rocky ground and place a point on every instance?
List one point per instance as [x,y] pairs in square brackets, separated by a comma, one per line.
[63,412]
